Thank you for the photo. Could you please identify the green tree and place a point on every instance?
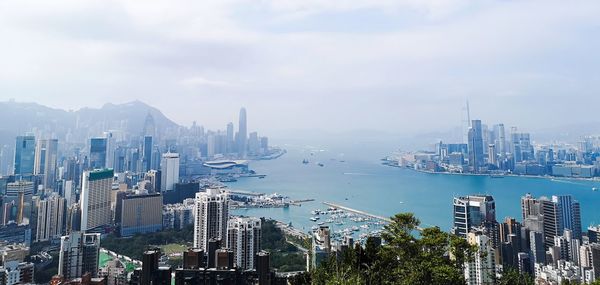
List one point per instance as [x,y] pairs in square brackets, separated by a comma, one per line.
[513,277]
[432,257]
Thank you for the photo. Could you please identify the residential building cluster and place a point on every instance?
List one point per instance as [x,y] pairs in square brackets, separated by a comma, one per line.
[548,242]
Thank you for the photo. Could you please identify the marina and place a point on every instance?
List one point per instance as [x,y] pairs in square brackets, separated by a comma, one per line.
[345,221]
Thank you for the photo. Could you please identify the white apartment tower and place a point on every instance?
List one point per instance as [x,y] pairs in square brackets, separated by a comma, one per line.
[211,213]
[169,171]
[244,240]
[482,269]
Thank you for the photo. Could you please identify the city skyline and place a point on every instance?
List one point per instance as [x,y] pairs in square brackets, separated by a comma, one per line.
[384,61]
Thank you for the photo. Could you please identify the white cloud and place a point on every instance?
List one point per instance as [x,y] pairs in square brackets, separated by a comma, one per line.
[199,81]
[274,55]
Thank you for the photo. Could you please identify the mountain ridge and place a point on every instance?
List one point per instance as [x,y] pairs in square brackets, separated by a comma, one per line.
[79,125]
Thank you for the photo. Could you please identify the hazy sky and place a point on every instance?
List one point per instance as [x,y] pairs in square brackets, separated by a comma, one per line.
[402,66]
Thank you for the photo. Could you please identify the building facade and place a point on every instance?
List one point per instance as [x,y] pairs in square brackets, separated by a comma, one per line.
[95,198]
[211,213]
[243,238]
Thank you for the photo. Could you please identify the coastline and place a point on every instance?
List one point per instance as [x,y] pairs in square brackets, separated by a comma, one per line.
[548,177]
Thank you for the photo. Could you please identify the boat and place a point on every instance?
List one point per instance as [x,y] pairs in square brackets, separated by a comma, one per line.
[320,223]
[305,161]
[496,176]
[314,219]
[594,189]
[320,164]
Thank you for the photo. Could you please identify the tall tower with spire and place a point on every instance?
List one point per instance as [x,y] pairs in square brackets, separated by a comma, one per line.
[242,134]
[149,126]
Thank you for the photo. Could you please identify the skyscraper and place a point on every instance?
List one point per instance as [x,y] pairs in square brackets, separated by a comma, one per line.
[522,149]
[46,153]
[95,198]
[492,154]
[500,139]
[242,134]
[211,213]
[98,151]
[147,153]
[169,171]
[79,254]
[110,150]
[570,214]
[473,211]
[546,211]
[244,240]
[149,126]
[24,156]
[476,157]
[230,142]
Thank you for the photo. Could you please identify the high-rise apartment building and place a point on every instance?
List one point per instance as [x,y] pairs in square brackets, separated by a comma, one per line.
[79,254]
[481,270]
[243,239]
[556,214]
[169,171]
[95,198]
[211,215]
[51,213]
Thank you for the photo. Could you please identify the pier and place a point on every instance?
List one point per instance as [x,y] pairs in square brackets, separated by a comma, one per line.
[299,202]
[244,193]
[358,212]
[362,213]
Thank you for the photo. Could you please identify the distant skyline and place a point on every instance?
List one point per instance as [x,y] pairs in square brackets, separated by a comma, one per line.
[394,66]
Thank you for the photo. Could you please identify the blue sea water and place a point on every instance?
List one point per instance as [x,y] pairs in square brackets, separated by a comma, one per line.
[362,182]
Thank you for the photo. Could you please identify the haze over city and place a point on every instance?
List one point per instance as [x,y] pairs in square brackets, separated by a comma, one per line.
[399,66]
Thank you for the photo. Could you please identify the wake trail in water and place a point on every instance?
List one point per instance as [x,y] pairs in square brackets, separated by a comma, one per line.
[359,174]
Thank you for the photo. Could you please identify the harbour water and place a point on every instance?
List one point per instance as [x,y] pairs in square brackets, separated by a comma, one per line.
[354,177]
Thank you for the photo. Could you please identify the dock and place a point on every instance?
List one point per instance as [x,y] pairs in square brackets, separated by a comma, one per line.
[358,212]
